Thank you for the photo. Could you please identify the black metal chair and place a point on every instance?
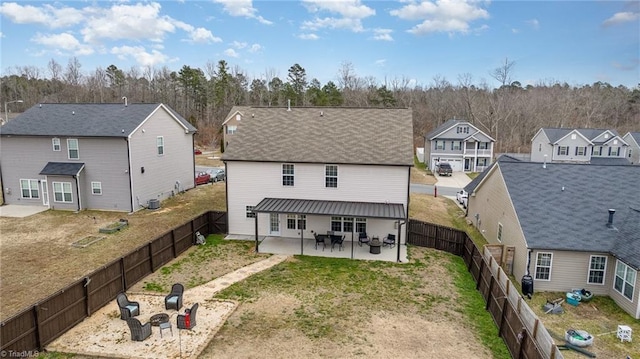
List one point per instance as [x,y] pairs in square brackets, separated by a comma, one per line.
[363,238]
[337,240]
[389,240]
[128,309]
[139,331]
[188,319]
[319,240]
[174,299]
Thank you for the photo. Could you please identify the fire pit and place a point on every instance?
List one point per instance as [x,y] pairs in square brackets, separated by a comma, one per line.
[374,246]
[159,318]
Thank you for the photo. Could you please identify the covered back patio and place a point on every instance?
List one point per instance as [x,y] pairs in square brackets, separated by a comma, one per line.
[307,219]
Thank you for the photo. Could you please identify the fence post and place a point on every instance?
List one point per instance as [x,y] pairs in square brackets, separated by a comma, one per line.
[36,316]
[486,307]
[473,250]
[502,316]
[86,296]
[480,273]
[151,257]
[123,271]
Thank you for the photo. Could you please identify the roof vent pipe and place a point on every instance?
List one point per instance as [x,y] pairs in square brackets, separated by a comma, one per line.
[288,105]
[610,221]
[544,165]
[125,100]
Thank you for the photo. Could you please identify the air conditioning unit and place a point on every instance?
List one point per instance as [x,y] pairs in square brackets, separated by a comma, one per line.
[154,203]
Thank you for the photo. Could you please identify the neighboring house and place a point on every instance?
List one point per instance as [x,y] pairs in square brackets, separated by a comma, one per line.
[633,152]
[231,123]
[294,172]
[114,157]
[581,145]
[461,144]
[571,225]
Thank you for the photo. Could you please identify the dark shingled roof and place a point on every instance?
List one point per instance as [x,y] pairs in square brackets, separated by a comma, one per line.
[84,120]
[62,169]
[555,134]
[565,206]
[445,126]
[324,135]
[334,208]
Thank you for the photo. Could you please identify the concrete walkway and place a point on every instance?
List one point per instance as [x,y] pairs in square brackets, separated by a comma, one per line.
[104,334]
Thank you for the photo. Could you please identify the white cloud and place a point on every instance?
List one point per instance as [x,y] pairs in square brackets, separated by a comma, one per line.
[534,23]
[46,15]
[231,53]
[140,55]
[441,15]
[203,36]
[242,8]
[239,45]
[621,17]
[381,62]
[382,34]
[308,37]
[255,48]
[64,41]
[351,13]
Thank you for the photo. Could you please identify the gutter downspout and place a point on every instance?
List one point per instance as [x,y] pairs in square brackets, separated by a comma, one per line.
[400,224]
[77,178]
[126,139]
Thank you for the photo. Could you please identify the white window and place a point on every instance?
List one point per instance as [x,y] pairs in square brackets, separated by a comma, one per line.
[29,188]
[614,151]
[342,224]
[231,130]
[250,213]
[331,176]
[540,147]
[625,279]
[361,225]
[160,145]
[543,266]
[483,145]
[499,232]
[597,265]
[296,221]
[62,192]
[55,142]
[96,188]
[606,135]
[439,145]
[456,145]
[72,146]
[573,136]
[597,150]
[288,173]
[563,150]
[462,129]
[581,151]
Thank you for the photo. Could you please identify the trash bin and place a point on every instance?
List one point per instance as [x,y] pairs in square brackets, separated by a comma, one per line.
[527,285]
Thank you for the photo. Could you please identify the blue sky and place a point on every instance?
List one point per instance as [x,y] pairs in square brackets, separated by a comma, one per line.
[577,42]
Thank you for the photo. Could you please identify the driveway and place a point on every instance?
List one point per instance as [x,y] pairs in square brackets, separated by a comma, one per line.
[456,180]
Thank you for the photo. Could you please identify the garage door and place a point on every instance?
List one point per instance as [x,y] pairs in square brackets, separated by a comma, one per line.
[456,164]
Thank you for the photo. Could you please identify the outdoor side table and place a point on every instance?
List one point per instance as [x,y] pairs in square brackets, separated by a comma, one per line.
[624,333]
[165,325]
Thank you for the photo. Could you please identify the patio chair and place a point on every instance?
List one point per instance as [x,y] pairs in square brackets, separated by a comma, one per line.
[319,240]
[139,331]
[128,309]
[188,319]
[337,240]
[363,238]
[389,240]
[174,299]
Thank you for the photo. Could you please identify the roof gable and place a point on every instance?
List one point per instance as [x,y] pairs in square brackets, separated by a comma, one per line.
[86,120]
[449,125]
[234,111]
[577,133]
[632,136]
[325,135]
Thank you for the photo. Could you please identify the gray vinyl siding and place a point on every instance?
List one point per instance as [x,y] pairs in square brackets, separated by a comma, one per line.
[570,269]
[622,301]
[572,144]
[427,153]
[22,158]
[164,175]
[540,146]
[634,147]
[491,201]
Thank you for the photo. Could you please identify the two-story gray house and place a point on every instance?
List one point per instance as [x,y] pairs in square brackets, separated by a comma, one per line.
[579,145]
[115,157]
[460,143]
[633,152]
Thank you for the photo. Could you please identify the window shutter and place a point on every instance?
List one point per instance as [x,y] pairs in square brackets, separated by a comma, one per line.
[576,151]
[559,150]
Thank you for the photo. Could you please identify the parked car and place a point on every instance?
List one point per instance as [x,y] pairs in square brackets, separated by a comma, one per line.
[202,178]
[197,151]
[444,169]
[462,197]
[217,174]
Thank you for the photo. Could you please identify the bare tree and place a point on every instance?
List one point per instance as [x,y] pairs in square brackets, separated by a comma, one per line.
[503,73]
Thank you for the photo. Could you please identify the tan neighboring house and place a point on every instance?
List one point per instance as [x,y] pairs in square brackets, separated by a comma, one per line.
[579,145]
[232,121]
[570,225]
[295,172]
[633,152]
[465,147]
[115,157]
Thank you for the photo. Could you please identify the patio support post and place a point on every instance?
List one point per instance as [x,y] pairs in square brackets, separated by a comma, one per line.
[400,224]
[256,232]
[301,240]
[353,235]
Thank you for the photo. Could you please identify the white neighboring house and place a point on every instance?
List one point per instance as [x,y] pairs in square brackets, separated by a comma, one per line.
[633,152]
[298,170]
[579,145]
[460,143]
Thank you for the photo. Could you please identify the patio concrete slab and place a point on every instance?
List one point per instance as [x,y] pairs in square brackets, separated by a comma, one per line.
[104,334]
[20,211]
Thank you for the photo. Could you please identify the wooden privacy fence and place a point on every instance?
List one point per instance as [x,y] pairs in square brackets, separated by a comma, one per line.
[522,331]
[41,323]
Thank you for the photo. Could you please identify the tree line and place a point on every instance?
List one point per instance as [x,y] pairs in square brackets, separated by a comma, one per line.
[510,113]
